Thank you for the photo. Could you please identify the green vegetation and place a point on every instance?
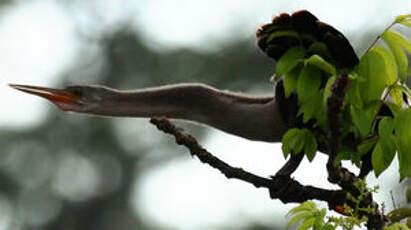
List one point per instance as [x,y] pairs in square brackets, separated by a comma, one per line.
[378,80]
[380,74]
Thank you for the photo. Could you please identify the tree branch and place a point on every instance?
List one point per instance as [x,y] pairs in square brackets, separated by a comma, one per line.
[291,165]
[336,173]
[280,187]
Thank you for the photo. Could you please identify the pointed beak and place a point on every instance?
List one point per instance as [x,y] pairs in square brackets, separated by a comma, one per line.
[65,100]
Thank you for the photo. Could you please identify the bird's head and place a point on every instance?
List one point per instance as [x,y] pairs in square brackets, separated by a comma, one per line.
[76,98]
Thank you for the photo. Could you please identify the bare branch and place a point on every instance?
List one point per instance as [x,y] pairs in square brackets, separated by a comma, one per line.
[280,187]
[291,165]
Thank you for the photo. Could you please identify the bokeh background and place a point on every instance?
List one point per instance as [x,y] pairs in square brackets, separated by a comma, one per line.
[65,171]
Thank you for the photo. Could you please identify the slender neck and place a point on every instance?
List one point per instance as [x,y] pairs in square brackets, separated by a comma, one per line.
[255,118]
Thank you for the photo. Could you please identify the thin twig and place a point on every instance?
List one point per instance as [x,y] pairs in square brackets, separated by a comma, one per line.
[379,37]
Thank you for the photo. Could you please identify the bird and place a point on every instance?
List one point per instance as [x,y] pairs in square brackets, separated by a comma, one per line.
[259,118]
[247,116]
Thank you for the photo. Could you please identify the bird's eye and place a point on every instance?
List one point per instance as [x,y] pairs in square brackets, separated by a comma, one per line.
[77,92]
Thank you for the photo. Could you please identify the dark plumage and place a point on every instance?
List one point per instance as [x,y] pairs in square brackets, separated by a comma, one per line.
[303,29]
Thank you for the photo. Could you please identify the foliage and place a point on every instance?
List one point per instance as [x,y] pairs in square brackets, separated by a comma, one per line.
[310,216]
[298,141]
[377,81]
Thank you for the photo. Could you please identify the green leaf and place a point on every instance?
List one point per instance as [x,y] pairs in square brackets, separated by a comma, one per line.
[301,216]
[395,109]
[329,227]
[289,61]
[354,94]
[389,149]
[319,219]
[399,40]
[293,142]
[391,74]
[406,23]
[313,107]
[297,143]
[306,224]
[386,127]
[363,118]
[376,160]
[286,141]
[387,140]
[399,214]
[290,81]
[361,121]
[400,57]
[397,226]
[400,18]
[310,145]
[402,126]
[372,68]
[346,153]
[319,48]
[282,33]
[322,64]
[308,206]
[308,82]
[355,76]
[321,114]
[381,159]
[365,146]
[396,95]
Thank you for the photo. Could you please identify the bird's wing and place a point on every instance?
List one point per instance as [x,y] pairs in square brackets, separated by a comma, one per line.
[303,29]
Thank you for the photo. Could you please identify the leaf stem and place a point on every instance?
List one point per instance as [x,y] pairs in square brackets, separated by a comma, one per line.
[379,37]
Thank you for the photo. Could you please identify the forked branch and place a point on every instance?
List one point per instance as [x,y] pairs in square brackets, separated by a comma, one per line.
[281,187]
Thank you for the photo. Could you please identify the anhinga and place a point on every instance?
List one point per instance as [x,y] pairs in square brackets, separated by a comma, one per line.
[255,118]
[251,117]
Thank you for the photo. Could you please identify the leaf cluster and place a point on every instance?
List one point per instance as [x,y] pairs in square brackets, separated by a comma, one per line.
[377,82]
[310,216]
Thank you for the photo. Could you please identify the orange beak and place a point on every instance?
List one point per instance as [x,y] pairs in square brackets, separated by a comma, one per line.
[65,100]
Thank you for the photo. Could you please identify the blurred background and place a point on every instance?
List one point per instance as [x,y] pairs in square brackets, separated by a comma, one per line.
[65,171]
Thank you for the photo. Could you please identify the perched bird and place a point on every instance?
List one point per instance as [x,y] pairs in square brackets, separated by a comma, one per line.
[248,116]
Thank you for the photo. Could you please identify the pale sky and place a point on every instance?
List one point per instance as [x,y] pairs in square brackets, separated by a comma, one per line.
[37,41]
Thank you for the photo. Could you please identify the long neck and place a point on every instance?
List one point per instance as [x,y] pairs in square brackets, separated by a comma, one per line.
[255,118]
